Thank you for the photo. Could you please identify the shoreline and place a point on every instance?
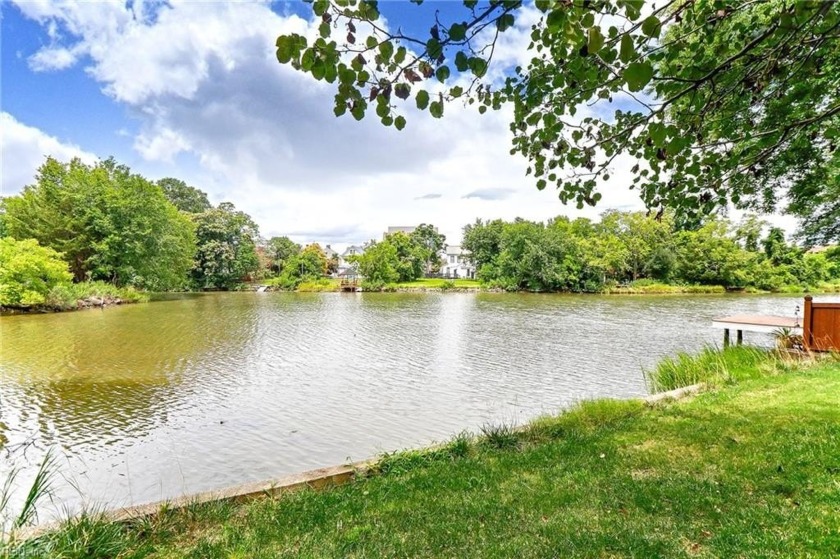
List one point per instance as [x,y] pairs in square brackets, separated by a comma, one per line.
[104,302]
[316,479]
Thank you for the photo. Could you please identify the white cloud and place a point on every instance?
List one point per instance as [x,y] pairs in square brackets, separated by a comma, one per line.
[23,149]
[204,82]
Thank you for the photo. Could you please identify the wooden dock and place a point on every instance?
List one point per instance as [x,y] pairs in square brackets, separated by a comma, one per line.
[819,327]
[762,324]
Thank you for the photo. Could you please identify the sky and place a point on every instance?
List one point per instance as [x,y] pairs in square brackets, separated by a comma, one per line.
[193,90]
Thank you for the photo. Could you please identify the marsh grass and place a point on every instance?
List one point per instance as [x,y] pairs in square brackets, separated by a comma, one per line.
[745,470]
[68,296]
[714,366]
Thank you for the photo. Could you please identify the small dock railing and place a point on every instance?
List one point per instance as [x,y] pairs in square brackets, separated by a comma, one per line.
[821,326]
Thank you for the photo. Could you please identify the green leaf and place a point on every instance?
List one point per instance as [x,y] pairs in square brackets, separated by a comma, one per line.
[442,73]
[628,50]
[436,109]
[457,32]
[596,40]
[386,50]
[402,90]
[422,99]
[478,66]
[462,63]
[319,7]
[505,22]
[638,75]
[399,57]
[651,26]
[588,20]
[543,5]
[633,8]
[399,122]
[456,91]
[285,49]
[371,42]
[434,48]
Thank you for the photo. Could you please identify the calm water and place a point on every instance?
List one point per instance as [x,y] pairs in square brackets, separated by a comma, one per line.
[146,402]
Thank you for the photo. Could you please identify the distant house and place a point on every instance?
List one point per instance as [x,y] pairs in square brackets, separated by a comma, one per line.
[456,263]
[407,229]
[352,250]
[818,249]
[329,252]
[349,273]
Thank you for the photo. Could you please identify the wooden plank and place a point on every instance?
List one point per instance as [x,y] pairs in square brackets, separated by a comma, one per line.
[759,320]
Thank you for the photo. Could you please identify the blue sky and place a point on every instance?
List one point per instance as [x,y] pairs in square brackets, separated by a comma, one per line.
[192,90]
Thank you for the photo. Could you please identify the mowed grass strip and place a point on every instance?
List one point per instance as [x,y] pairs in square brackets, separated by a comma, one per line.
[751,469]
[440,283]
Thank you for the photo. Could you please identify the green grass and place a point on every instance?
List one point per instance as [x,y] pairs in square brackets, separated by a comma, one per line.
[749,469]
[319,285]
[648,287]
[69,296]
[713,366]
[440,283]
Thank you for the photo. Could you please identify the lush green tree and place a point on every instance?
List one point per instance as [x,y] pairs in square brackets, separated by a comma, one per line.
[225,247]
[280,250]
[379,263]
[641,236]
[710,256]
[482,241]
[819,207]
[427,236]
[813,269]
[748,232]
[110,224]
[28,272]
[186,198]
[411,255]
[721,102]
[776,248]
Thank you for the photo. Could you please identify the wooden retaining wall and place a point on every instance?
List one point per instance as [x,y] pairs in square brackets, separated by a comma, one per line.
[821,326]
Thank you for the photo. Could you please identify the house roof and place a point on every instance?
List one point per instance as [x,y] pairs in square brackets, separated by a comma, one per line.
[353,249]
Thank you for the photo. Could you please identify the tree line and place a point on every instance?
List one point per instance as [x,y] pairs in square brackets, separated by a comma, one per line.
[103,223]
[629,247]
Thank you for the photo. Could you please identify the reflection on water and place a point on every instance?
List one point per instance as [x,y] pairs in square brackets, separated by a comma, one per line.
[149,401]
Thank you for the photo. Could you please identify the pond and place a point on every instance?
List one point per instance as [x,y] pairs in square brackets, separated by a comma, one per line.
[147,402]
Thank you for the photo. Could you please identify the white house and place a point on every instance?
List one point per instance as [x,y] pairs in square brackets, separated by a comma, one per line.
[352,250]
[456,263]
[329,252]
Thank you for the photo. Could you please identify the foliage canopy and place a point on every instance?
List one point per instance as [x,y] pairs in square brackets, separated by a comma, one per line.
[28,272]
[109,223]
[719,102]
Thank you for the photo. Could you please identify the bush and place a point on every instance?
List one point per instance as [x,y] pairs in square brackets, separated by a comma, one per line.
[447,285]
[709,366]
[372,285]
[68,296]
[28,272]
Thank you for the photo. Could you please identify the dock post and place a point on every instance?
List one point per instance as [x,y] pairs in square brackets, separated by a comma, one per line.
[807,322]
[726,337]
[740,337]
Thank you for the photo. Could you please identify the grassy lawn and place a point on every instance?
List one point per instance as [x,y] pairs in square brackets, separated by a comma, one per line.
[437,283]
[749,469]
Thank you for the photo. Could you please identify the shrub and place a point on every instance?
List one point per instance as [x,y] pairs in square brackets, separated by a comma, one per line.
[372,285]
[447,285]
[710,365]
[28,272]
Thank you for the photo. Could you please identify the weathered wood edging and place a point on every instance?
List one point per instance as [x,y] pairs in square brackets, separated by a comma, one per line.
[322,478]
